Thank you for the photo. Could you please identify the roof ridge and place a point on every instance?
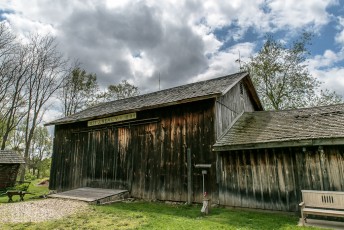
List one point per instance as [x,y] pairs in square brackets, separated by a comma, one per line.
[298,109]
[175,87]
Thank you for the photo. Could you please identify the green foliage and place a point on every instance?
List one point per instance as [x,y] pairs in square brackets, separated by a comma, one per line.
[29,176]
[281,77]
[145,215]
[78,91]
[20,187]
[43,167]
[120,91]
[40,153]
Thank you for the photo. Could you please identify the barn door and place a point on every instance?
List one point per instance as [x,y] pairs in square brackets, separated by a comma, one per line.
[123,158]
[144,148]
[108,158]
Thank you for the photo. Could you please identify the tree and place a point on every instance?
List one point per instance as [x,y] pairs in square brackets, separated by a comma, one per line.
[47,71]
[120,91]
[10,82]
[281,77]
[15,100]
[78,91]
[41,149]
[7,49]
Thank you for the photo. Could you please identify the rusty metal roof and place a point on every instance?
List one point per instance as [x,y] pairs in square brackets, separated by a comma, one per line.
[181,94]
[10,157]
[299,127]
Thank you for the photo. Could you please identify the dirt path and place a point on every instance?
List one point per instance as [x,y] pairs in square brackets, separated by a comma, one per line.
[39,210]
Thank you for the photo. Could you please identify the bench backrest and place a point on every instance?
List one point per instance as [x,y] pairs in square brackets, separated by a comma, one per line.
[323,199]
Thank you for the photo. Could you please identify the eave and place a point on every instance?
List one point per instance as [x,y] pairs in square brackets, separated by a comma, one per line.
[281,144]
[136,110]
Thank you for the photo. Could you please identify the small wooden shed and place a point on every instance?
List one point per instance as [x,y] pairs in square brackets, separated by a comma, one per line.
[266,158]
[9,166]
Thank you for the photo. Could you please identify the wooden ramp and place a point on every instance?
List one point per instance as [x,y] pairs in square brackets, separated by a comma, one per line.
[93,195]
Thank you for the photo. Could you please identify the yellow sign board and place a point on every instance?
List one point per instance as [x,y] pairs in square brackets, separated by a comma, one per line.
[107,120]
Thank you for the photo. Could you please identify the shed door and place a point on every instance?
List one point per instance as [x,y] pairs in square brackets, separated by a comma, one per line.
[144,149]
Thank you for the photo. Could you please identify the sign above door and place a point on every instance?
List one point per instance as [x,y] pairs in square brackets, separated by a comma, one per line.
[107,120]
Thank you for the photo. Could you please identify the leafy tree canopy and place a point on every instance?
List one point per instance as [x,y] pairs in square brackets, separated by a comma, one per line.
[78,91]
[120,91]
[282,79]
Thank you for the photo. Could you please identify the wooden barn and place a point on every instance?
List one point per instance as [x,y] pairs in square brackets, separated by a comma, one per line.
[140,143]
[9,166]
[266,158]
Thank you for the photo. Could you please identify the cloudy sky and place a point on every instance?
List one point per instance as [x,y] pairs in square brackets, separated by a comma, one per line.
[181,41]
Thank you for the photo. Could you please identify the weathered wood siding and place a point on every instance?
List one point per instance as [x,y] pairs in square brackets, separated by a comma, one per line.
[8,174]
[147,156]
[273,178]
[231,105]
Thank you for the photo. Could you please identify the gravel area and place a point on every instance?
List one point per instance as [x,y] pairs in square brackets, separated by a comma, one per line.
[40,210]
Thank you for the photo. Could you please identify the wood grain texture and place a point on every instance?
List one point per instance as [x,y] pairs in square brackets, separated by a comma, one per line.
[149,159]
[273,178]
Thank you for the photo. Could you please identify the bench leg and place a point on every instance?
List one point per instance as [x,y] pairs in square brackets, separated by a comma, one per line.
[22,196]
[302,218]
[9,198]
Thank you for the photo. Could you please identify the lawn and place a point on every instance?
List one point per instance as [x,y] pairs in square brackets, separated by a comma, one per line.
[155,215]
[36,191]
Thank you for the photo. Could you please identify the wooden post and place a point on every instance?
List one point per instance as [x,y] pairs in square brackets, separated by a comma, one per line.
[189,175]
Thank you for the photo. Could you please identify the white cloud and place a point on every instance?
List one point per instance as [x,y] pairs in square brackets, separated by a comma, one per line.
[332,78]
[325,69]
[106,68]
[26,27]
[328,59]
[340,36]
[175,38]
[296,14]
[223,63]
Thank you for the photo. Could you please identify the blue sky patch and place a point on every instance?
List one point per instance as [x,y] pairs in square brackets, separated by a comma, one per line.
[3,13]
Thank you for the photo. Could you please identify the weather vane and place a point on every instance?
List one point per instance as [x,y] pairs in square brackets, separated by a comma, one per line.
[239,61]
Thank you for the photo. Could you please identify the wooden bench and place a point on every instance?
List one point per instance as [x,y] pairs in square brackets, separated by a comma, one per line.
[321,203]
[20,188]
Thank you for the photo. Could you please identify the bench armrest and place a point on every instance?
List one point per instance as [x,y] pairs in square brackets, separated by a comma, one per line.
[302,204]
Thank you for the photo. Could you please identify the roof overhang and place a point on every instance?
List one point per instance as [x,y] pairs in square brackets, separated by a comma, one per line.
[56,122]
[280,144]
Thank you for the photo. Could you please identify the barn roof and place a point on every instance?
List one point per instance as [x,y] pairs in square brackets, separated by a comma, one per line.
[300,127]
[181,94]
[10,157]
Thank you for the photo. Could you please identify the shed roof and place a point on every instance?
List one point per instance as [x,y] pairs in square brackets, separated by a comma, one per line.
[181,94]
[10,157]
[300,127]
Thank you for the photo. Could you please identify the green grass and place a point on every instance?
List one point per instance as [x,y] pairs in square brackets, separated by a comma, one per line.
[33,188]
[145,215]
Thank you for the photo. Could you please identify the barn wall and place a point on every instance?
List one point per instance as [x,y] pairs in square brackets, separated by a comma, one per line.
[231,105]
[148,157]
[273,178]
[8,174]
